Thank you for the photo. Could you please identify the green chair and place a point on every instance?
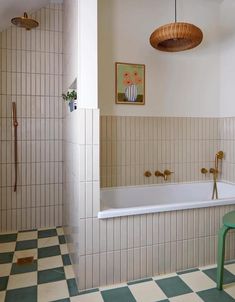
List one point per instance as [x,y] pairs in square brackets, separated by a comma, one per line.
[228,223]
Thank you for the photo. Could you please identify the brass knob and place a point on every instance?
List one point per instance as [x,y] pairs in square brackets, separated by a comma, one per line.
[204,171]
[147,174]
[214,171]
[159,173]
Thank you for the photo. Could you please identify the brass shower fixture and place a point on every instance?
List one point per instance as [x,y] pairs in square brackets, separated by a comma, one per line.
[25,22]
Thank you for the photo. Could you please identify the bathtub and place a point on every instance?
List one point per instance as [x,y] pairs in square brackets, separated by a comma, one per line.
[137,200]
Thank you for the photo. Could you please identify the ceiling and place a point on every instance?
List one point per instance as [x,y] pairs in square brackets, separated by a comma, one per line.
[15,8]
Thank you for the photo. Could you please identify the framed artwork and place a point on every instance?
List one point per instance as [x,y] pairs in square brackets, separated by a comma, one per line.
[130,83]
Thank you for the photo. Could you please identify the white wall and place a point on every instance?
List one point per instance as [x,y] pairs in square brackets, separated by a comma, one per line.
[227,72]
[177,84]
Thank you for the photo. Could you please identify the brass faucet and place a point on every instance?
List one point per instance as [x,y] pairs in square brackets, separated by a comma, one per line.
[165,174]
[215,172]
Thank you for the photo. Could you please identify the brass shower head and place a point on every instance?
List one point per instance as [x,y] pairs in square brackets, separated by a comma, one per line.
[220,155]
[25,22]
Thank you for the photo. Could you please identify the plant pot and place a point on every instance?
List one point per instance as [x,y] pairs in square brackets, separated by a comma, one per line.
[71,106]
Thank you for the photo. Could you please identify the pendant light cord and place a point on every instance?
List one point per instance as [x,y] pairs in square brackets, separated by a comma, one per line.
[175,12]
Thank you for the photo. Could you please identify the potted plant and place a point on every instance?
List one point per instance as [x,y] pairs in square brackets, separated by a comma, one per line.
[70,97]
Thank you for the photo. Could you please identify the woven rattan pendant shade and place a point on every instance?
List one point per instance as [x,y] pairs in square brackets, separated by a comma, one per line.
[177,36]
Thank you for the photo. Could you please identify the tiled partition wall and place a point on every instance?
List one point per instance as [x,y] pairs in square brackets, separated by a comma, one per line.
[31,76]
[132,145]
[227,144]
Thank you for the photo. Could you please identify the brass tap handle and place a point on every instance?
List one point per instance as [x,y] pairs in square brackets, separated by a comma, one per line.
[147,174]
[204,171]
[159,174]
[213,171]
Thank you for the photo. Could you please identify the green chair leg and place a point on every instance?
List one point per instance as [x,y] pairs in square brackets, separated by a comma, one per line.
[221,250]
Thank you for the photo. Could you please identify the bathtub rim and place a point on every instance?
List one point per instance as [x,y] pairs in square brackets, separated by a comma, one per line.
[141,210]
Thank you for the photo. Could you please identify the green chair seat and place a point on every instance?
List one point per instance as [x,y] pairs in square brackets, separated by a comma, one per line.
[229,219]
[228,223]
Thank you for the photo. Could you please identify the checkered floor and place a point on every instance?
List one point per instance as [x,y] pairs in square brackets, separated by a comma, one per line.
[50,277]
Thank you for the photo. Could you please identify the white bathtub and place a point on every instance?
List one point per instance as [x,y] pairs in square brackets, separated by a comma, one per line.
[124,201]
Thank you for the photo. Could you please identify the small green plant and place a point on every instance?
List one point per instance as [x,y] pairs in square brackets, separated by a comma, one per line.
[69,96]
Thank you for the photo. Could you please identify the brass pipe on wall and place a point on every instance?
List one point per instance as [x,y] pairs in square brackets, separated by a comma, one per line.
[15,125]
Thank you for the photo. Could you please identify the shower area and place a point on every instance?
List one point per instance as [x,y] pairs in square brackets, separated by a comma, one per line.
[49,156]
[31,113]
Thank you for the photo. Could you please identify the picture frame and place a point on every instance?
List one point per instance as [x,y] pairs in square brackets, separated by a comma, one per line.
[129,83]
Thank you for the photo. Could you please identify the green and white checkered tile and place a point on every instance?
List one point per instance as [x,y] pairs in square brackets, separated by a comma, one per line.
[50,277]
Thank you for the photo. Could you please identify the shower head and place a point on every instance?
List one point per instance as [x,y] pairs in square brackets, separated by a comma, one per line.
[25,22]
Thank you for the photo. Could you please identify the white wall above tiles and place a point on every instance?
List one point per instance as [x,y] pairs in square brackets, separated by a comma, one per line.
[31,76]
[177,84]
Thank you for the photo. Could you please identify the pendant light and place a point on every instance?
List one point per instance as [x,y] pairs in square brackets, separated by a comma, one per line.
[177,36]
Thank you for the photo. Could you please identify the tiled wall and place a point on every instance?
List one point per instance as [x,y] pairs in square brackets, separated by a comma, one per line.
[126,248]
[133,247]
[227,144]
[132,145]
[31,76]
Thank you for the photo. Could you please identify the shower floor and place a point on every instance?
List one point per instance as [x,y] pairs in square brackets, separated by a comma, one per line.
[50,276]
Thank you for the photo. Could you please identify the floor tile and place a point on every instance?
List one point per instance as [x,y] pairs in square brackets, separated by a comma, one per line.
[6,257]
[188,271]
[27,294]
[22,280]
[5,269]
[48,251]
[66,259]
[27,235]
[69,273]
[62,239]
[3,283]
[215,295]
[230,268]
[147,292]
[25,253]
[165,276]
[139,281]
[62,300]
[93,297]
[192,297]
[8,238]
[49,241]
[25,268]
[72,287]
[7,247]
[50,262]
[2,296]
[118,294]
[47,233]
[26,245]
[53,291]
[60,231]
[51,275]
[64,249]
[198,281]
[230,289]
[173,286]
[228,277]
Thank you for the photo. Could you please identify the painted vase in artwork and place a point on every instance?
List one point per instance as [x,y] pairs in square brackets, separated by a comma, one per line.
[131,93]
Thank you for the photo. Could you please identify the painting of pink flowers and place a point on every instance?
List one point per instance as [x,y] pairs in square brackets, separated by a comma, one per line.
[130,83]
